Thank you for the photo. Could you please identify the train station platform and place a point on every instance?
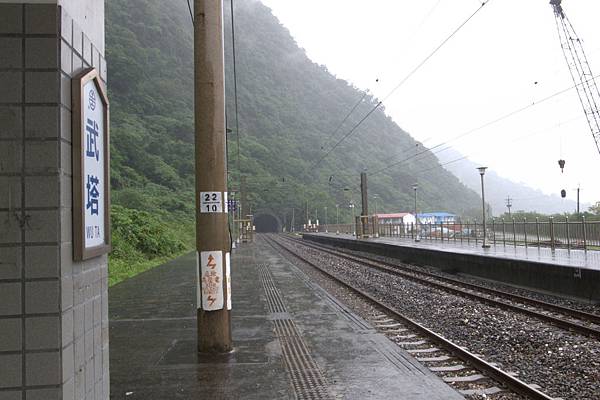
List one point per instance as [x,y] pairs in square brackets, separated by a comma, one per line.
[574,272]
[292,340]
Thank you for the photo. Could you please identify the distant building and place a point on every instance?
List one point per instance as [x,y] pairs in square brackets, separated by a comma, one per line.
[437,218]
[396,218]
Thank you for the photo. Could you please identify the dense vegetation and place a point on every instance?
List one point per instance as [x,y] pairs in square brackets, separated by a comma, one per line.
[592,214]
[140,240]
[152,134]
[288,109]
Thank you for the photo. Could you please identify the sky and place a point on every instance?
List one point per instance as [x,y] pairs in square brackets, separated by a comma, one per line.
[507,57]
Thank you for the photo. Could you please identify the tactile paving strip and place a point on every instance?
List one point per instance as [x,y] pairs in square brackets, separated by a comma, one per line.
[307,379]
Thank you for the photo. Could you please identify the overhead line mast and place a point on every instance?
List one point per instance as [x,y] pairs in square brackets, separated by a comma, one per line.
[572,47]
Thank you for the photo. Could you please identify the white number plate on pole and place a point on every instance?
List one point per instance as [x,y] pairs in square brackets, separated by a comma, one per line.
[211,202]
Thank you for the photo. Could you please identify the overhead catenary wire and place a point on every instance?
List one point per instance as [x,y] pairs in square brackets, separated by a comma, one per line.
[466,157]
[190,10]
[335,131]
[519,138]
[427,16]
[235,95]
[479,128]
[402,82]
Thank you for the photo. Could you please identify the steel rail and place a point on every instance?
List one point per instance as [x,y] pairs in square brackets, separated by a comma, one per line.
[593,318]
[492,371]
[409,273]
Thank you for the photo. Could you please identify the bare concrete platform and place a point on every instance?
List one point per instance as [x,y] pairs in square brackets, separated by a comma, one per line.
[292,340]
[574,273]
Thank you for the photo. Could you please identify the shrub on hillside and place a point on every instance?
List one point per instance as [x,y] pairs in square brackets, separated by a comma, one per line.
[135,231]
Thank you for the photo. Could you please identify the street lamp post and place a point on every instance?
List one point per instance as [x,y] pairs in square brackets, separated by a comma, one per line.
[417,239]
[337,219]
[375,196]
[482,172]
[351,205]
[326,219]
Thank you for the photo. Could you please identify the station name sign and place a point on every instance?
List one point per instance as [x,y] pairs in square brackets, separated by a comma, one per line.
[91,167]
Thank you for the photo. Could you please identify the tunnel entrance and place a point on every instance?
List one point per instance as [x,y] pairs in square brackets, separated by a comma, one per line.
[266,223]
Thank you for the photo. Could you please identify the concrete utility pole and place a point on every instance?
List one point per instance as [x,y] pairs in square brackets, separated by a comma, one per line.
[508,204]
[307,212]
[212,237]
[364,194]
[417,239]
[482,173]
[284,221]
[244,195]
[365,202]
[578,190]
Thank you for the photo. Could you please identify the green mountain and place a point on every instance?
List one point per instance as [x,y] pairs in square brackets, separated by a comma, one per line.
[289,108]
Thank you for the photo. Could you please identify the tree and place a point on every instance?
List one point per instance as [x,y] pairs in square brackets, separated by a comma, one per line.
[595,209]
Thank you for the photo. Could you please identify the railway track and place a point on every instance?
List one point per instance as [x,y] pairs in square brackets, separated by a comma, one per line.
[563,317]
[436,352]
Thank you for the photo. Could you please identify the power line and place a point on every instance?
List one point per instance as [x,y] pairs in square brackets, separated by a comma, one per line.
[428,15]
[519,138]
[479,128]
[335,131]
[402,82]
[190,9]
[235,94]
[411,73]
[345,136]
[465,157]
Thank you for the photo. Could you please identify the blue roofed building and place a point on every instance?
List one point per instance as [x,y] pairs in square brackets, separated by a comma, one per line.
[437,218]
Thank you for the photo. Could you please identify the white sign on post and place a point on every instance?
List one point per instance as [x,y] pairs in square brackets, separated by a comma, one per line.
[228,278]
[211,202]
[91,166]
[211,266]
[92,153]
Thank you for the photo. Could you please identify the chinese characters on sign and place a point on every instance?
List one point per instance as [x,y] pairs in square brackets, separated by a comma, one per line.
[91,189]
[211,280]
[93,165]
[91,131]
[232,205]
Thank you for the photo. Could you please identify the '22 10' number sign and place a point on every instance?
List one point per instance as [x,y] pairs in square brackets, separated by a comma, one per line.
[212,202]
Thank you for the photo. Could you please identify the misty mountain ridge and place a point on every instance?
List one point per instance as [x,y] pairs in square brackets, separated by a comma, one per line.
[289,108]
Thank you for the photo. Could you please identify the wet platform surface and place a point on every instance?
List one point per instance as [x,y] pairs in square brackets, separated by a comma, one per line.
[562,257]
[292,340]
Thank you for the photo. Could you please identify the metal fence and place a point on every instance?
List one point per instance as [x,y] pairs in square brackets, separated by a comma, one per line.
[567,234]
[334,228]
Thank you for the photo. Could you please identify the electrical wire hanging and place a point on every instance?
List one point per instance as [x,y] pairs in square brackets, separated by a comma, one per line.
[235,92]
[335,131]
[479,128]
[191,12]
[402,82]
[466,157]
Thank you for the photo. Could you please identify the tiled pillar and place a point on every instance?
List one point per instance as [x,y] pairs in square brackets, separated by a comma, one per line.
[53,311]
